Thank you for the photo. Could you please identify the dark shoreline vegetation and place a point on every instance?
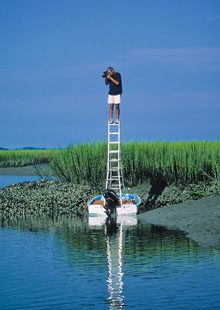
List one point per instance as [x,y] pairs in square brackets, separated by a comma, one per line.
[162,173]
[44,198]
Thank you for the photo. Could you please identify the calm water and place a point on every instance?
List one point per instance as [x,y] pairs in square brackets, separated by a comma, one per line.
[90,264]
[81,264]
[6,180]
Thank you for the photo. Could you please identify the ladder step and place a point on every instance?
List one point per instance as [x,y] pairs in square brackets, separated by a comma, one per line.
[114,182]
[114,151]
[114,133]
[115,160]
[113,142]
[116,124]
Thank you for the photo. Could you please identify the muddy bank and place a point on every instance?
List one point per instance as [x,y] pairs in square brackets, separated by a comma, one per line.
[200,219]
[158,195]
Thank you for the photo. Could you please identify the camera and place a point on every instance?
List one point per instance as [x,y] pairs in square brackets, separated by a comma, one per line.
[104,74]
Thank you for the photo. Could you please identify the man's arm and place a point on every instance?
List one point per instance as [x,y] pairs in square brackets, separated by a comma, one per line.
[106,81]
[109,77]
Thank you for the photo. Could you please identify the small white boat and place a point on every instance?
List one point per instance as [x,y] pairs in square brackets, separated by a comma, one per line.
[98,206]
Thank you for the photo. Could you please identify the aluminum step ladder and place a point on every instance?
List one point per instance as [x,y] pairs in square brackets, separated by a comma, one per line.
[114,175]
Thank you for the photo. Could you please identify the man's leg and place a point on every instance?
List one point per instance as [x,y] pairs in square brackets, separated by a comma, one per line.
[117,112]
[111,106]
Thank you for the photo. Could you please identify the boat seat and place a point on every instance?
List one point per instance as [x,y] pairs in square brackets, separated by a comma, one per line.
[124,202]
[98,202]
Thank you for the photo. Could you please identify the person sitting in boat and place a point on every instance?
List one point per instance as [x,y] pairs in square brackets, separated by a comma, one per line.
[113,79]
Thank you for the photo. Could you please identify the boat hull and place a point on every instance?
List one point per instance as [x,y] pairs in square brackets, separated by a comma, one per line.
[127,209]
[96,210]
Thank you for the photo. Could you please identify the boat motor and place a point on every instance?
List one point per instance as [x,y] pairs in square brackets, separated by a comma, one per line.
[111,198]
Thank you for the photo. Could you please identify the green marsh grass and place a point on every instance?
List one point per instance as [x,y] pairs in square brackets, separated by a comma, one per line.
[19,158]
[171,162]
[83,163]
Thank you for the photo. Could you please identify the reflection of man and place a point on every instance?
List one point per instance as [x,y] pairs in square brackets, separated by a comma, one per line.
[113,79]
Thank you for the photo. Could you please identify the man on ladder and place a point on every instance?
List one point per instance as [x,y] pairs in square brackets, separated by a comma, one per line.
[115,200]
[114,177]
[113,79]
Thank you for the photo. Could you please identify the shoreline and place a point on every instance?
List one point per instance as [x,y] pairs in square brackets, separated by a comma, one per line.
[199,219]
[194,210]
[30,170]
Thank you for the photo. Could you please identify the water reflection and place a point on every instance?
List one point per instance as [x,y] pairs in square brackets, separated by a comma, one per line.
[114,245]
[125,238]
[120,263]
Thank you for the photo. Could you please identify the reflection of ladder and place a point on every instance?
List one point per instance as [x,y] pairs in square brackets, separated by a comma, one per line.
[114,176]
[115,272]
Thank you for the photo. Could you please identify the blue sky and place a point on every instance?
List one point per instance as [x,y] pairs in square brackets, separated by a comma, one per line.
[53,53]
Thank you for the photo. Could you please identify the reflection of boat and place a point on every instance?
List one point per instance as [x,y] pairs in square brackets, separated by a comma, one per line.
[98,221]
[114,200]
